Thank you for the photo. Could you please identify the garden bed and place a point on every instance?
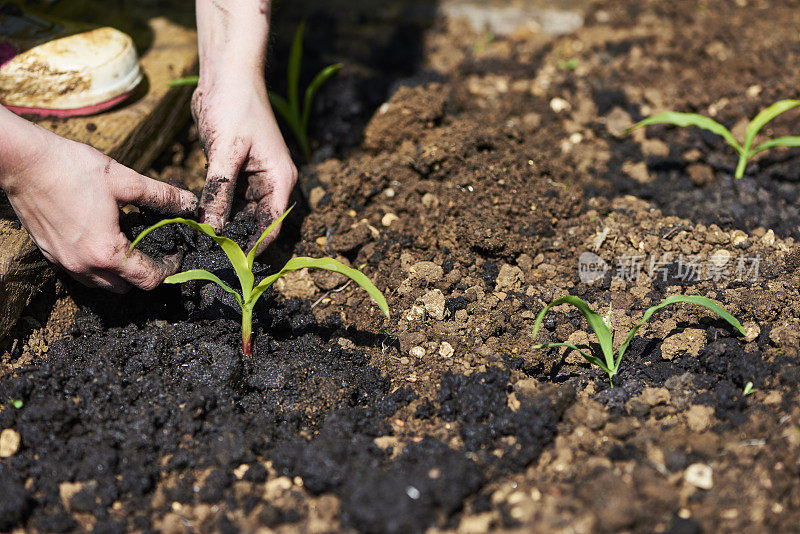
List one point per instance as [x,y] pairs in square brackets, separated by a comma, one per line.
[473,192]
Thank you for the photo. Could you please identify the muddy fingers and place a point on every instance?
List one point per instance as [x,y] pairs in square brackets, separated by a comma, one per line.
[146,273]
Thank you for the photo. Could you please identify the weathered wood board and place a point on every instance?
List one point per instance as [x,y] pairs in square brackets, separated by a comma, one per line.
[134,134]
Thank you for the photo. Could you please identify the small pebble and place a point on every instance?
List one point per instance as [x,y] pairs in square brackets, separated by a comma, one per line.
[446,350]
[617,121]
[417,352]
[388,219]
[427,270]
[720,258]
[240,471]
[416,313]
[9,442]
[700,476]
[429,200]
[532,120]
[655,396]
[638,171]
[700,174]
[315,196]
[559,104]
[751,331]
[699,417]
[753,91]
[509,278]
[434,303]
[346,343]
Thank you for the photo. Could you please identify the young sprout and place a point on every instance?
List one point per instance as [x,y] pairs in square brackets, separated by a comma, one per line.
[243,266]
[746,150]
[295,115]
[17,404]
[567,64]
[748,389]
[189,80]
[609,363]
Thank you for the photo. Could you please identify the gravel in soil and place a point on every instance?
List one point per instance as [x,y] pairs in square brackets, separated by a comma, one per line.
[468,200]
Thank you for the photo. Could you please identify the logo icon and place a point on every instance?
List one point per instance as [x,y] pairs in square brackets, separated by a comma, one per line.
[591,267]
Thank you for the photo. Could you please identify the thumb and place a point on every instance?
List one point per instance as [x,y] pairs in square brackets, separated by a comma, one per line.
[130,187]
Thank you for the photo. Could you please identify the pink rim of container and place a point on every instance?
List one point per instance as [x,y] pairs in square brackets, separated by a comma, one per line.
[75,112]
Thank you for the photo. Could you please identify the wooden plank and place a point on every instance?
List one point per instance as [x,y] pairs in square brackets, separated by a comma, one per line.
[23,269]
[133,134]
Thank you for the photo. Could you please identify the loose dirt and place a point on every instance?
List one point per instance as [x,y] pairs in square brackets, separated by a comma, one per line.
[467,195]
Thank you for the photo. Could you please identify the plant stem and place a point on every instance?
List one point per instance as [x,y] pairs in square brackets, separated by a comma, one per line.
[740,167]
[247,330]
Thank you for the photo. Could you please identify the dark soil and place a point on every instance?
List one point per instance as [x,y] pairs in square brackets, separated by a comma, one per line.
[466,185]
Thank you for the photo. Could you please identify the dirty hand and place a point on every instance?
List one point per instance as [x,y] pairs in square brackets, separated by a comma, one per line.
[242,141]
[67,195]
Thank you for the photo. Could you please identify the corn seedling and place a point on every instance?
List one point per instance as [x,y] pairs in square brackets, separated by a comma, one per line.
[17,404]
[189,80]
[746,150]
[290,108]
[243,266]
[610,364]
[748,389]
[567,64]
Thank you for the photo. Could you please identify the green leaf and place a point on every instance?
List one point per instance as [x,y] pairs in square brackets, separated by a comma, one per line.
[595,321]
[251,256]
[17,404]
[284,109]
[790,141]
[690,119]
[200,274]
[328,264]
[293,73]
[588,357]
[289,107]
[189,80]
[567,64]
[319,80]
[689,299]
[232,250]
[763,118]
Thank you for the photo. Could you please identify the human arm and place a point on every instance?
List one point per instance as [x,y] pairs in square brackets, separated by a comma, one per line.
[235,121]
[67,196]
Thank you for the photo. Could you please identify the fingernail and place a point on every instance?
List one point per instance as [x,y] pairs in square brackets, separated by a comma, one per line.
[172,263]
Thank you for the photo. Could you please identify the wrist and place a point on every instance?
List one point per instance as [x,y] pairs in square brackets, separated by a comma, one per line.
[231,80]
[232,39]
[21,144]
